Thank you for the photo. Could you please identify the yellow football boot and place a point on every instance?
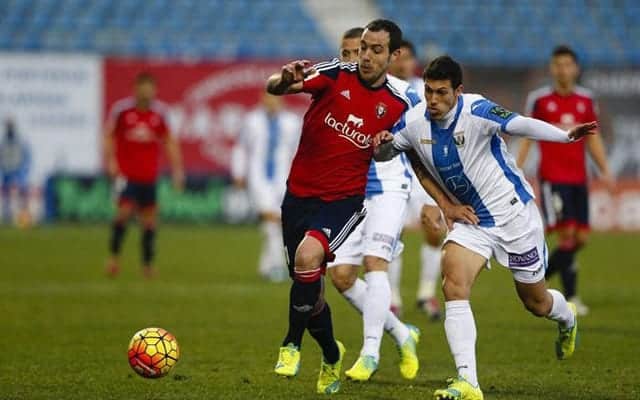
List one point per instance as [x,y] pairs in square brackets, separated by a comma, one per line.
[288,361]
[329,378]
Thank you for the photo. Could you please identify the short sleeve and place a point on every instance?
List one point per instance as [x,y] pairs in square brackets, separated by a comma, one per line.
[494,114]
[324,75]
[400,131]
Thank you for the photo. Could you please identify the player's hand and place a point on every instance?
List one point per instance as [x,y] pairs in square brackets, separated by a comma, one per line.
[459,213]
[112,168]
[431,218]
[177,178]
[294,72]
[381,138]
[582,130]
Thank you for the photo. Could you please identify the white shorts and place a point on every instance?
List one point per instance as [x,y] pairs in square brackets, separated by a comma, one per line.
[417,199]
[267,198]
[518,245]
[379,234]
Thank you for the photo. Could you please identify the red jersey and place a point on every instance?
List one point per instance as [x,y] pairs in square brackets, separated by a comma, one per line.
[336,148]
[138,134]
[559,162]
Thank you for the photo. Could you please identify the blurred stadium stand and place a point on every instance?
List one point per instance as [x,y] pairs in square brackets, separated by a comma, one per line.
[162,28]
[491,32]
[520,33]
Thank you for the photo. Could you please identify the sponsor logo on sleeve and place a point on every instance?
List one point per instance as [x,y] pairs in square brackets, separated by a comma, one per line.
[523,260]
[500,112]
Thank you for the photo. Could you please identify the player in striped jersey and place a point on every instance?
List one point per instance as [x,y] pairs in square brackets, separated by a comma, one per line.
[457,139]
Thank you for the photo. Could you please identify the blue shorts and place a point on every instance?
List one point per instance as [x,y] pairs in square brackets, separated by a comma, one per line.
[565,205]
[140,195]
[329,222]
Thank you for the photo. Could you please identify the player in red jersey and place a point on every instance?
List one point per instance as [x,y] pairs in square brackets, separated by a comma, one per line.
[562,168]
[326,185]
[135,130]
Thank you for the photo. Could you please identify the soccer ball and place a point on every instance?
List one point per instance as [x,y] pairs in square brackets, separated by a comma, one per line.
[153,352]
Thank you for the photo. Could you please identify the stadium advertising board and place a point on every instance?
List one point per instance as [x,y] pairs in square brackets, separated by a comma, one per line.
[55,102]
[207,102]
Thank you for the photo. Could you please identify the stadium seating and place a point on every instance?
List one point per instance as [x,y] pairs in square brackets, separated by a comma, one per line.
[162,28]
[521,32]
[490,32]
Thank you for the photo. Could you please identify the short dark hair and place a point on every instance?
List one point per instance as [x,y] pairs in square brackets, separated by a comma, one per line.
[564,50]
[405,44]
[353,33]
[444,68]
[394,31]
[145,77]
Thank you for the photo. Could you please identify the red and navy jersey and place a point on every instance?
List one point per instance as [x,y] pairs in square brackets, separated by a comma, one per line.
[138,133]
[560,162]
[336,147]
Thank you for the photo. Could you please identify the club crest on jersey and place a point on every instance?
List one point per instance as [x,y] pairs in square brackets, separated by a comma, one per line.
[381,110]
[458,139]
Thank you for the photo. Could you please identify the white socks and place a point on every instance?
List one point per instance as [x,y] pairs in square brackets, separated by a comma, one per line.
[460,329]
[272,254]
[430,272]
[395,273]
[376,307]
[356,295]
[560,311]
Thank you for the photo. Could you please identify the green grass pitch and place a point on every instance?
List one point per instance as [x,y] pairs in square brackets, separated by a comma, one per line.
[65,327]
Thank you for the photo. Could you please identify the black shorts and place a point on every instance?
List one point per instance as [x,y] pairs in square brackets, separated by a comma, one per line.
[140,195]
[329,222]
[565,205]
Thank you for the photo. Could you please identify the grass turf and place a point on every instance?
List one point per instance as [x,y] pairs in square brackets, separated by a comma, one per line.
[65,326]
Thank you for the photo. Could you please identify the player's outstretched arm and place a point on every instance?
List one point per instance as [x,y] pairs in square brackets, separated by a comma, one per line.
[289,80]
[452,212]
[539,130]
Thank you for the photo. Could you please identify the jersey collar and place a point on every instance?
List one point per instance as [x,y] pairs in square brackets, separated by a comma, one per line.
[452,126]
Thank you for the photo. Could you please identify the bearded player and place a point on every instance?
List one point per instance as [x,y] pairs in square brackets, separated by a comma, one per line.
[326,185]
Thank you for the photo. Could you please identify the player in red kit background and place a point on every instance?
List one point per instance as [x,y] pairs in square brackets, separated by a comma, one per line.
[135,131]
[326,185]
[562,168]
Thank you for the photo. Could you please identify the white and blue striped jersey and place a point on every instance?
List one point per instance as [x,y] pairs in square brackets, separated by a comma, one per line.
[270,143]
[393,175]
[466,155]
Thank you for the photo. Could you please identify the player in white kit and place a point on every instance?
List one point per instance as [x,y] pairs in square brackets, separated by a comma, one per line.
[374,244]
[270,138]
[457,139]
[422,211]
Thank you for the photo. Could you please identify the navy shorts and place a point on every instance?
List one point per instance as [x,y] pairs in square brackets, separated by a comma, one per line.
[565,205]
[329,222]
[140,195]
